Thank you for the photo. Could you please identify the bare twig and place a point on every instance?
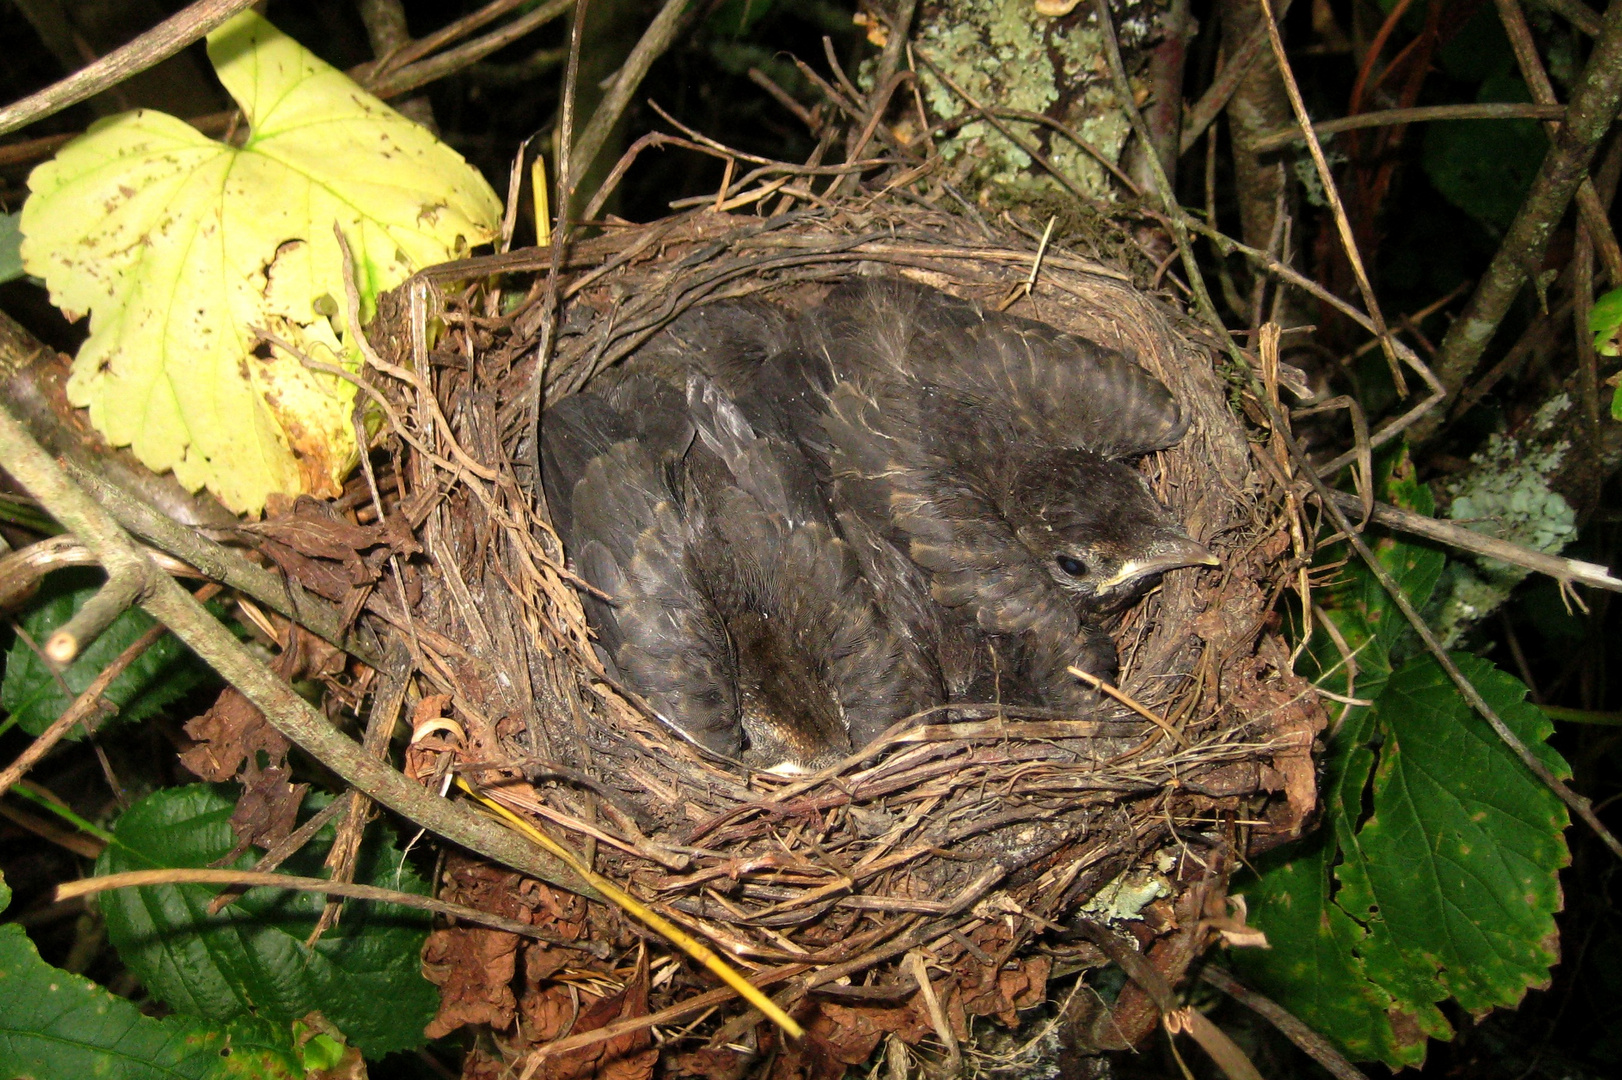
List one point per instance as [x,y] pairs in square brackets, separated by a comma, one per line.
[96,615]
[388,32]
[224,565]
[937,1013]
[1577,13]
[1215,98]
[1313,1044]
[135,879]
[394,81]
[82,708]
[152,47]
[1332,193]
[1457,536]
[1487,110]
[654,41]
[1588,117]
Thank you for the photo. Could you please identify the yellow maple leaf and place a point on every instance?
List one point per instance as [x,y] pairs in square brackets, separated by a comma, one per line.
[182,249]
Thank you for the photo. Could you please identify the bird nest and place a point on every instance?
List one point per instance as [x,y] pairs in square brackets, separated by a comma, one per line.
[1002,850]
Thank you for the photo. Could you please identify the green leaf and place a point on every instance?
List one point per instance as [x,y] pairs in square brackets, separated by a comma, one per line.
[182,248]
[1484,167]
[1436,878]
[30,692]
[11,238]
[1371,627]
[1604,320]
[55,1025]
[364,975]
[1457,863]
[1314,963]
[1445,853]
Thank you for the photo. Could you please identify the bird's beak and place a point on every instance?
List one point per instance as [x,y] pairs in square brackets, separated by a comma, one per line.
[1167,554]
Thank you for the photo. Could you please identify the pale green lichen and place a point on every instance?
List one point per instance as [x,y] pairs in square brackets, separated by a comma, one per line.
[1004,54]
[1129,894]
[1505,494]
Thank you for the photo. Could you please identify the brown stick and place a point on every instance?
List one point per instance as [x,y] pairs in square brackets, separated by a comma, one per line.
[1332,192]
[185,875]
[1487,110]
[86,703]
[1454,535]
[151,48]
[1313,1044]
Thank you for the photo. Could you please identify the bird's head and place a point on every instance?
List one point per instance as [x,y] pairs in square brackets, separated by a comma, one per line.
[1097,529]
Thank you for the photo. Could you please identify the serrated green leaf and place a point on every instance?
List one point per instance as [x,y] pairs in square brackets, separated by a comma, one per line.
[1314,961]
[364,975]
[55,1025]
[1458,861]
[182,248]
[1437,878]
[1604,320]
[30,692]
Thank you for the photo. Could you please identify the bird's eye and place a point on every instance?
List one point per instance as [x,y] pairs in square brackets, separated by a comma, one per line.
[1072,566]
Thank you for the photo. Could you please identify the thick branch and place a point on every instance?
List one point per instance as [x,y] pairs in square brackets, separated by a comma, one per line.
[1588,117]
[287,712]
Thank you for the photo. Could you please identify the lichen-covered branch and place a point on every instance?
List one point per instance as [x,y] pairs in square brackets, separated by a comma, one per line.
[1531,486]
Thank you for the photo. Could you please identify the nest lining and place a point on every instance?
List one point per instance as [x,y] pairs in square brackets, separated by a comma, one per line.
[941,826]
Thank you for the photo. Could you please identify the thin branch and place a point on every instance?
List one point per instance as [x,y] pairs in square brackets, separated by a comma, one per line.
[1576,13]
[654,41]
[1488,110]
[1457,536]
[151,48]
[1311,1043]
[381,79]
[1223,87]
[406,79]
[135,879]
[1589,115]
[287,712]
[81,709]
[1537,81]
[1332,193]
[97,613]
[224,565]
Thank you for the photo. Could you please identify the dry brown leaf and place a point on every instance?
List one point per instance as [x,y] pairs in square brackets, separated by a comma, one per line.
[230,732]
[472,967]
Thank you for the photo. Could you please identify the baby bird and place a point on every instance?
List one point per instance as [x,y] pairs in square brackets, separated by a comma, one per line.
[736,610]
[989,449]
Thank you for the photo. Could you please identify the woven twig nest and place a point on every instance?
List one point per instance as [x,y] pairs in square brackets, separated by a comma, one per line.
[980,839]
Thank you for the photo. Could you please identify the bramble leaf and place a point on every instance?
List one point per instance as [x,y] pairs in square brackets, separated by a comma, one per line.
[182,249]
[54,1023]
[364,975]
[34,697]
[1437,876]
